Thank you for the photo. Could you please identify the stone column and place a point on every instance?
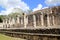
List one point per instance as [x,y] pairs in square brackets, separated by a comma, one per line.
[34,20]
[18,19]
[38,21]
[3,23]
[42,19]
[13,21]
[9,21]
[21,21]
[25,21]
[48,20]
[6,23]
[53,20]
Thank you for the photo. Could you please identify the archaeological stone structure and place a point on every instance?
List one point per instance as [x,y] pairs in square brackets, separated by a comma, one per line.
[49,17]
[42,24]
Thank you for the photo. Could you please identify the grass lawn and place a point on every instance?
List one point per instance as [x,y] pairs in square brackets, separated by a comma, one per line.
[4,37]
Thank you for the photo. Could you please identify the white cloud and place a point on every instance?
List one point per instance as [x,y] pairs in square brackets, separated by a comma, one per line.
[52,2]
[8,4]
[44,7]
[6,12]
[38,7]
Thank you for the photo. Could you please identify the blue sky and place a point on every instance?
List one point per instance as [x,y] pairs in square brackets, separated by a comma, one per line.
[1,8]
[6,6]
[33,3]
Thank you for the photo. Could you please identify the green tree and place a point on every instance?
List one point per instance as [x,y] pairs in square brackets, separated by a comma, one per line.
[15,12]
[2,17]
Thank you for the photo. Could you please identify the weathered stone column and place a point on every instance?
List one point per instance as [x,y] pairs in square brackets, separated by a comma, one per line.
[34,21]
[18,19]
[3,23]
[9,22]
[25,21]
[42,19]
[53,20]
[13,21]
[21,21]
[48,20]
[38,21]
[6,23]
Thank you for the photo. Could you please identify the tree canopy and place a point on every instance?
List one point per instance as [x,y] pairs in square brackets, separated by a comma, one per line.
[15,12]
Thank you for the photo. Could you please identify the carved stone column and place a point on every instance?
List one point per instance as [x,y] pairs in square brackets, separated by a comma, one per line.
[42,19]
[38,21]
[48,20]
[6,23]
[21,21]
[53,20]
[18,19]
[25,21]
[3,23]
[9,22]
[34,21]
[13,21]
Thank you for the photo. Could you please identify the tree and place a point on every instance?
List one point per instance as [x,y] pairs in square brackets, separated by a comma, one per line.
[15,12]
[2,17]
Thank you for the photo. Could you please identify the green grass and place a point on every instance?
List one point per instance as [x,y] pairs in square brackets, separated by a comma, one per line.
[4,37]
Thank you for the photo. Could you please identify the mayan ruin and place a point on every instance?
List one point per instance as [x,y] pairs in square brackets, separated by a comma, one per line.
[39,25]
[29,19]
